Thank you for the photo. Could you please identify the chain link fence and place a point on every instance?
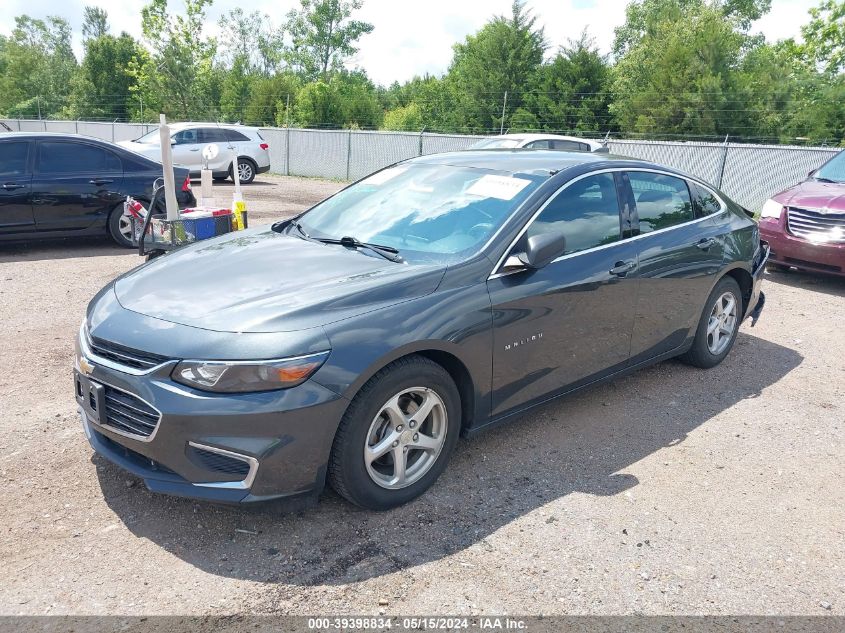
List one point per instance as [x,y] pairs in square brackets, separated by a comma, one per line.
[749,174]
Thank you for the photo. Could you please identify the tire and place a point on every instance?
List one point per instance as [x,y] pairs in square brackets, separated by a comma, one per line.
[406,383]
[710,349]
[246,170]
[119,228]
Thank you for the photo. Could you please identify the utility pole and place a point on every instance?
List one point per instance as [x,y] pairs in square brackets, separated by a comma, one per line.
[38,99]
[504,105]
[141,99]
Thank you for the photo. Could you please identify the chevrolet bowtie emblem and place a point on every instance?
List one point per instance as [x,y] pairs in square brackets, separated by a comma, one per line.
[85,366]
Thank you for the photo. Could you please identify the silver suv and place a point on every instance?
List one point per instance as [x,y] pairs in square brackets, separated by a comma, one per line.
[188,139]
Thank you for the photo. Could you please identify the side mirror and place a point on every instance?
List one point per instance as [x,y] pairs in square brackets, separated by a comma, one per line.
[172,142]
[540,251]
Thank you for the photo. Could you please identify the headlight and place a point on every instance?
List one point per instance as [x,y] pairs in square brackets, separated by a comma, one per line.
[244,376]
[771,209]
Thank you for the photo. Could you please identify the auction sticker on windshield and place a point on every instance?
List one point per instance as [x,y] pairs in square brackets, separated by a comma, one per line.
[501,187]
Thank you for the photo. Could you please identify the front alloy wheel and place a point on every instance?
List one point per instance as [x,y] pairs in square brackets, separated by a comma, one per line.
[405,438]
[397,434]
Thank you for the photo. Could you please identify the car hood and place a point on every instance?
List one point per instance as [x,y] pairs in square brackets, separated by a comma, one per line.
[262,281]
[812,194]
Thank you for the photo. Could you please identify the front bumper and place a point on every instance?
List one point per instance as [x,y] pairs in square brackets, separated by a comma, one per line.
[758,298]
[282,438]
[789,250]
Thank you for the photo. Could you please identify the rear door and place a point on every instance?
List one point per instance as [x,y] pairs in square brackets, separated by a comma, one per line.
[217,136]
[679,254]
[75,184]
[15,187]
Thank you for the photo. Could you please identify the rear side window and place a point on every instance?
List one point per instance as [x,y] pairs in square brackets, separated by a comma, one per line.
[662,201]
[66,158]
[13,157]
[586,213]
[235,136]
[212,135]
[568,146]
[705,202]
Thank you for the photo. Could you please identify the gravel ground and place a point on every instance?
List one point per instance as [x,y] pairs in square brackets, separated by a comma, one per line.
[671,491]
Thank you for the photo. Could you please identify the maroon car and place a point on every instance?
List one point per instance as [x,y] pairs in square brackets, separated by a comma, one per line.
[805,225]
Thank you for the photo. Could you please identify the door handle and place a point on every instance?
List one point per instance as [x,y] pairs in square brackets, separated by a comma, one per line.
[100,181]
[705,243]
[194,149]
[620,269]
[42,201]
[9,186]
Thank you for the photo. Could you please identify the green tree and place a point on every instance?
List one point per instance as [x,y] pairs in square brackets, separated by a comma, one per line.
[319,104]
[323,35]
[503,56]
[252,38]
[270,96]
[38,67]
[572,92]
[824,36]
[95,23]
[679,74]
[407,118]
[177,76]
[236,90]
[104,87]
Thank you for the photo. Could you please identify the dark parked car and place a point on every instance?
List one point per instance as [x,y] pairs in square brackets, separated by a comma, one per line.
[805,225]
[433,298]
[63,185]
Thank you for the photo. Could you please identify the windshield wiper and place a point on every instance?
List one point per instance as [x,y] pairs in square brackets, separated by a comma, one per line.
[388,252]
[823,179]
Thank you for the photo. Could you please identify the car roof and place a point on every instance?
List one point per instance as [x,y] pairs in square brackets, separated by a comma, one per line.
[53,135]
[541,137]
[189,124]
[531,161]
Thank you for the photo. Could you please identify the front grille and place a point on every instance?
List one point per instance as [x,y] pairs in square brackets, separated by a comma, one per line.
[217,462]
[816,226]
[128,413]
[124,355]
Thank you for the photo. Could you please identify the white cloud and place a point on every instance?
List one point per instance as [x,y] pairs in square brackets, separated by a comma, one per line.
[414,38]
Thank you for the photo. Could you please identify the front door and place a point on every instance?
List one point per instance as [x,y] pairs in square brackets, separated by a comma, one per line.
[15,188]
[75,184]
[679,256]
[570,322]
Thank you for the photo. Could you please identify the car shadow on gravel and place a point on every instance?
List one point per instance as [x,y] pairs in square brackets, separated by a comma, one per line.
[815,282]
[578,444]
[62,248]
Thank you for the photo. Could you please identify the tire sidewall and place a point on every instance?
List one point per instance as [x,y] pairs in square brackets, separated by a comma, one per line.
[252,166]
[727,284]
[114,227]
[350,453]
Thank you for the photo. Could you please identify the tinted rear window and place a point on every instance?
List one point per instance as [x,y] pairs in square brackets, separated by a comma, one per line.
[236,136]
[705,202]
[64,158]
[13,157]
[662,201]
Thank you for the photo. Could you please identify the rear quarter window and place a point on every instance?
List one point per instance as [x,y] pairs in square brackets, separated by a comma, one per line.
[236,137]
[706,203]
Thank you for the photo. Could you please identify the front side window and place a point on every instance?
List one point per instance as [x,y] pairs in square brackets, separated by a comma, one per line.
[585,212]
[662,201]
[13,157]
[427,212]
[63,158]
[185,137]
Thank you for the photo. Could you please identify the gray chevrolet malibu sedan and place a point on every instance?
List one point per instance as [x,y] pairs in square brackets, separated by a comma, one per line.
[439,296]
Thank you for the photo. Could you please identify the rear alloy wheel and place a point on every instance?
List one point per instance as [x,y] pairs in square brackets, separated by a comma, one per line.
[397,435]
[246,170]
[718,326]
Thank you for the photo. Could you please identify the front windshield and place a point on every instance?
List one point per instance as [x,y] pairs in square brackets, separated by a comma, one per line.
[427,212]
[497,143]
[833,170]
[151,138]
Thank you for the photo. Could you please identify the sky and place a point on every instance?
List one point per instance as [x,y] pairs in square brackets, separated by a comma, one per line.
[412,38]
